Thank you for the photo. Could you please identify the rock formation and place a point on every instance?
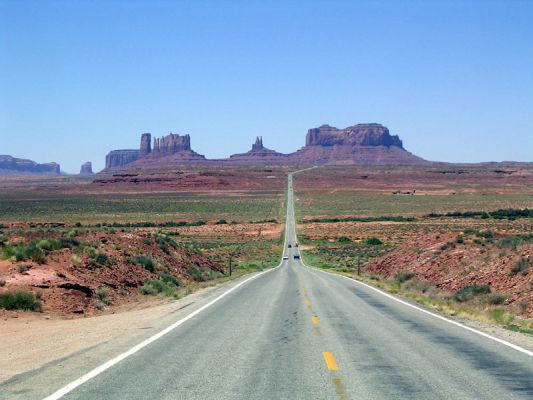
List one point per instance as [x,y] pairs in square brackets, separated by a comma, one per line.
[17,166]
[368,144]
[357,135]
[171,149]
[145,145]
[119,158]
[86,168]
[259,154]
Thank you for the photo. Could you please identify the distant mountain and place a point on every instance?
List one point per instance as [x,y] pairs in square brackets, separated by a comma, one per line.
[17,166]
[367,144]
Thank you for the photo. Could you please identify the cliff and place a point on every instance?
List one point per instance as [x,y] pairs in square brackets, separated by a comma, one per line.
[17,166]
[86,168]
[368,144]
[357,135]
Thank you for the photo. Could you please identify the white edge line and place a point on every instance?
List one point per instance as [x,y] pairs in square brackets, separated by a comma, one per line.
[98,370]
[451,321]
[405,303]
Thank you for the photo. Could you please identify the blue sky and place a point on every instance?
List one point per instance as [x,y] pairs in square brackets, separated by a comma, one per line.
[79,78]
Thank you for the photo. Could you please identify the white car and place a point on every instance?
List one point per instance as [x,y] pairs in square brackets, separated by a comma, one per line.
[285,257]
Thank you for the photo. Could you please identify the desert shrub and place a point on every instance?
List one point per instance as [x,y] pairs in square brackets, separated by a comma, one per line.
[496,298]
[373,241]
[170,279]
[148,289]
[75,260]
[403,276]
[510,241]
[153,287]
[20,300]
[344,239]
[221,222]
[147,241]
[469,292]
[2,283]
[68,242]
[446,246]
[102,259]
[195,274]
[146,262]
[502,317]
[521,266]
[460,239]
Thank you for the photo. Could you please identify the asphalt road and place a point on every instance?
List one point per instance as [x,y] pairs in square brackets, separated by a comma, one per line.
[299,333]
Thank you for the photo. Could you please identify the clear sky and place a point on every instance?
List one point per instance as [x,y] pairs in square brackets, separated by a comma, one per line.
[454,79]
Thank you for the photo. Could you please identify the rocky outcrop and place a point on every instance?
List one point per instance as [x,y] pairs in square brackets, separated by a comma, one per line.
[17,166]
[145,145]
[172,144]
[86,168]
[367,144]
[259,154]
[357,135]
[170,149]
[119,158]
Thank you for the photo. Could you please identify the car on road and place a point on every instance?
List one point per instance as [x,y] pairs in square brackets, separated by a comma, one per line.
[289,246]
[296,256]
[295,244]
[285,257]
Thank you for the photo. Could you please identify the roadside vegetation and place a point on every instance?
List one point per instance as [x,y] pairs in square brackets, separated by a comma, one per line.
[427,244]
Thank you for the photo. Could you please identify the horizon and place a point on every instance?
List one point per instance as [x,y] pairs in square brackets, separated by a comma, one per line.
[452,80]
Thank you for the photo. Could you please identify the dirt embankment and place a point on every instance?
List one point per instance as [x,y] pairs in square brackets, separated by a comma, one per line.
[98,269]
[452,262]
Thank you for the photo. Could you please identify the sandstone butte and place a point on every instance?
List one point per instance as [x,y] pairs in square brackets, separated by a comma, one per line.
[86,168]
[17,166]
[366,144]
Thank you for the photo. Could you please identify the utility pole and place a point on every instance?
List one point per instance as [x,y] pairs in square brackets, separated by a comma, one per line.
[230,265]
[358,265]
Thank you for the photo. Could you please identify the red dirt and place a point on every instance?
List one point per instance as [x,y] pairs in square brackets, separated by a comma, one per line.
[67,289]
[455,267]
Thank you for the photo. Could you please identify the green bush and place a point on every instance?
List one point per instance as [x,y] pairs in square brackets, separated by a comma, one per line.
[373,241]
[221,222]
[170,279]
[102,259]
[404,276]
[496,298]
[521,266]
[468,292]
[195,274]
[344,239]
[146,262]
[20,300]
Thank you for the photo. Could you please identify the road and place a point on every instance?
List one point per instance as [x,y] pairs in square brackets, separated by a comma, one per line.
[298,333]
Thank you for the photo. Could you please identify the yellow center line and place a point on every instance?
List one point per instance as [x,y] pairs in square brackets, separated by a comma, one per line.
[330,361]
[315,320]
[339,388]
[307,303]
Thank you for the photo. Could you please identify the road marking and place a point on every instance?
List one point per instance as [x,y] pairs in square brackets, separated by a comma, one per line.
[98,370]
[450,321]
[339,388]
[315,320]
[330,361]
[307,303]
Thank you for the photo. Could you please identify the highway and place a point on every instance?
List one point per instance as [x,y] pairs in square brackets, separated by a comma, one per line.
[295,332]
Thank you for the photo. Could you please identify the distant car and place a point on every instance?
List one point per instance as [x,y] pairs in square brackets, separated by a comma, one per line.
[285,257]
[296,256]
[295,244]
[289,246]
